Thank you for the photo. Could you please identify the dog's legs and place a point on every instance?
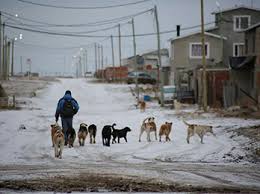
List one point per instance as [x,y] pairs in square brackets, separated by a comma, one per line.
[141,132]
[167,138]
[155,135]
[201,138]
[108,141]
[148,136]
[125,139]
[103,140]
[188,138]
[83,142]
[94,140]
[118,140]
[160,138]
[90,139]
[56,151]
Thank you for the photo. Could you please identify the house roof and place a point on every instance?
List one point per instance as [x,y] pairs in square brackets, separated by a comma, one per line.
[206,33]
[236,7]
[251,27]
[164,51]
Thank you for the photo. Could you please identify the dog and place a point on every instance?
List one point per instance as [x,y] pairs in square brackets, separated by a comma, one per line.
[200,130]
[71,136]
[165,129]
[142,105]
[106,134]
[120,133]
[54,128]
[58,141]
[82,133]
[148,127]
[92,130]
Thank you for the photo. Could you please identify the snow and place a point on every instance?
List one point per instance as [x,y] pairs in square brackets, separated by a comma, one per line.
[105,104]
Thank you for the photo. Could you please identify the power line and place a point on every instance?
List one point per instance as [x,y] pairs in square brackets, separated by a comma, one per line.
[60,48]
[90,24]
[75,32]
[97,36]
[95,7]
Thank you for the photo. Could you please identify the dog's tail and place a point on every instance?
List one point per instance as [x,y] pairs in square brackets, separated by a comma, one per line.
[185,122]
[113,126]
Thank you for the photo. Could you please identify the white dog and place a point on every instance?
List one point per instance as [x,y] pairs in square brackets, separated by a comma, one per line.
[148,127]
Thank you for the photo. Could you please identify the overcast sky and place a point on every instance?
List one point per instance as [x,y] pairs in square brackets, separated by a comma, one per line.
[46,51]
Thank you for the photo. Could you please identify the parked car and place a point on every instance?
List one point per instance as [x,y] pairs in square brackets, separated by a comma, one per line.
[142,77]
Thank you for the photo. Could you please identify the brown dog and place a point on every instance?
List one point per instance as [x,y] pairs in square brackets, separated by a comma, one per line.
[54,128]
[165,130]
[200,130]
[142,105]
[82,133]
[58,141]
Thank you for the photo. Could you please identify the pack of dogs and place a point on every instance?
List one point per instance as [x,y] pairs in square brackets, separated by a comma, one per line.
[111,134]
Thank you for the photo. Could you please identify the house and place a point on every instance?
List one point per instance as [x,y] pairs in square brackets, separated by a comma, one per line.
[186,60]
[229,23]
[223,40]
[246,69]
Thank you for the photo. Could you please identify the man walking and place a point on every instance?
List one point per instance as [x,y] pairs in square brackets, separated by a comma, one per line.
[67,107]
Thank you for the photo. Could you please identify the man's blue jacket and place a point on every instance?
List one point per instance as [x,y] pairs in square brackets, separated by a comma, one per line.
[61,103]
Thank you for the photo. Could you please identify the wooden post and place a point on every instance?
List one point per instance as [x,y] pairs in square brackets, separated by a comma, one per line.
[14,105]
[160,77]
[1,56]
[95,57]
[203,59]
[12,62]
[113,57]
[135,63]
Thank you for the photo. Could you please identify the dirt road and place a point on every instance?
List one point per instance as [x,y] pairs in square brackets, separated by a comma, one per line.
[27,161]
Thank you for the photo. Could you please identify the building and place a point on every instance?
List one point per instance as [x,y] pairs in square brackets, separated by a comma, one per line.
[246,69]
[148,62]
[230,23]
[224,40]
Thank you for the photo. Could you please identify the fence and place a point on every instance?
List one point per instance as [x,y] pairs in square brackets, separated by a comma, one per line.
[7,102]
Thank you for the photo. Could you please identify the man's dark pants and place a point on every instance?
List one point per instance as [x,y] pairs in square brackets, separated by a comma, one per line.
[66,124]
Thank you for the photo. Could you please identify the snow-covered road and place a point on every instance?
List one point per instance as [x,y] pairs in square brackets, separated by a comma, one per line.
[28,153]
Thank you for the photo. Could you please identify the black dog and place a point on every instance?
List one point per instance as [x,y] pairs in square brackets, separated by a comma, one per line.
[71,136]
[106,134]
[120,133]
[92,130]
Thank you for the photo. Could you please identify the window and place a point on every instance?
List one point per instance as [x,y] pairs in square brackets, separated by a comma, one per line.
[238,49]
[196,50]
[241,22]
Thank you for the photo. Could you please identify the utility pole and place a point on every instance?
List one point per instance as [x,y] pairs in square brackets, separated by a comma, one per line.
[203,58]
[3,53]
[21,63]
[1,64]
[96,56]
[8,59]
[119,42]
[102,63]
[119,48]
[113,57]
[12,63]
[160,77]
[135,63]
[86,62]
